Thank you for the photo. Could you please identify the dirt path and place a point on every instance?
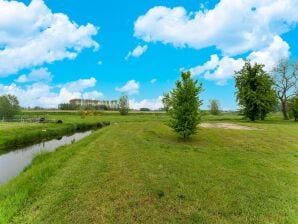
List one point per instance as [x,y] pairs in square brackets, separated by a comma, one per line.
[227,126]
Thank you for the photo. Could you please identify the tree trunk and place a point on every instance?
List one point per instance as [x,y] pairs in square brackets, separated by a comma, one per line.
[284,109]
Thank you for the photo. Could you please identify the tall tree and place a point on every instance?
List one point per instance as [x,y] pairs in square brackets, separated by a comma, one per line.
[255,93]
[183,105]
[214,107]
[123,105]
[9,106]
[285,75]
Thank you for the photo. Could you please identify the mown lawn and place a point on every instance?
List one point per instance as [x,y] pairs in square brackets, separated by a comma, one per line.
[140,172]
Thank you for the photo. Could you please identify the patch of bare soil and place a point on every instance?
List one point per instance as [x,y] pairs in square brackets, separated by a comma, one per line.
[227,126]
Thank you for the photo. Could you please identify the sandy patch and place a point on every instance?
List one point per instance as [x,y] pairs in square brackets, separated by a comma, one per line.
[227,126]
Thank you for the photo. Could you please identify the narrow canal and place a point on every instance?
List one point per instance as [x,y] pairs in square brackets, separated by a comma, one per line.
[13,163]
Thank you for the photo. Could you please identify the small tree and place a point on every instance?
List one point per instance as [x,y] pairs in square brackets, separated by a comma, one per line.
[255,93]
[183,105]
[285,76]
[9,106]
[214,107]
[123,105]
[166,102]
[293,107]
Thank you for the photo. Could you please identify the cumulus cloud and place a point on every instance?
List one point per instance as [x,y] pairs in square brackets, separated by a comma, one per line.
[137,52]
[130,88]
[232,28]
[92,95]
[48,96]
[221,70]
[270,55]
[153,104]
[79,85]
[32,35]
[36,75]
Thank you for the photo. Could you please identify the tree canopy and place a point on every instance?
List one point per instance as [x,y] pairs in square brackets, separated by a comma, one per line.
[285,75]
[214,107]
[9,106]
[183,105]
[255,93]
[123,105]
[293,107]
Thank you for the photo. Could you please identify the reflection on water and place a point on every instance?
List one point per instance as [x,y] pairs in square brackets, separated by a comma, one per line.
[12,163]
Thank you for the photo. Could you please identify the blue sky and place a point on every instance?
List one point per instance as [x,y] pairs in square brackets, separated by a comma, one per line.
[210,38]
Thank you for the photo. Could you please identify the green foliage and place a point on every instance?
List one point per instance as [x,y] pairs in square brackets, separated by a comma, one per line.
[255,93]
[70,106]
[293,106]
[9,106]
[214,107]
[183,105]
[22,134]
[123,105]
[145,109]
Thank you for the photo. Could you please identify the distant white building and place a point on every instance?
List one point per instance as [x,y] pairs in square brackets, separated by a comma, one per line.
[111,104]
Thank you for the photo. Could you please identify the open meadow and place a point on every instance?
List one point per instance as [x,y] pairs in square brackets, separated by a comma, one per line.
[138,171]
[149,112]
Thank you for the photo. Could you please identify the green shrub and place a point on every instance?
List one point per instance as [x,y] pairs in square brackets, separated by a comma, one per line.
[293,108]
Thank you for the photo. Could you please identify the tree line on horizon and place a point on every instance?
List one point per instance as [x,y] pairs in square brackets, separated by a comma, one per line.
[257,93]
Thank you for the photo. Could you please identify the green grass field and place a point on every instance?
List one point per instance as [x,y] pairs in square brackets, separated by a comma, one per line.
[139,171]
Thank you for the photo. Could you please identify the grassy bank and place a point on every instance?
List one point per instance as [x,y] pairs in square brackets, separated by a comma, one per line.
[140,172]
[14,135]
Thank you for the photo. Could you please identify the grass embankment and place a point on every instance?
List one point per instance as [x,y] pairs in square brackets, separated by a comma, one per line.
[14,135]
[140,172]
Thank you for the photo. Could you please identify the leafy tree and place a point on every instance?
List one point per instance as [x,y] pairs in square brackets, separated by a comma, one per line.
[166,102]
[145,109]
[9,106]
[293,106]
[123,105]
[183,105]
[214,107]
[255,93]
[285,76]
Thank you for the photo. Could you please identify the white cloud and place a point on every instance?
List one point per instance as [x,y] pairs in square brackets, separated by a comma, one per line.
[234,28]
[45,95]
[210,65]
[80,84]
[31,35]
[269,56]
[153,104]
[36,75]
[152,81]
[92,95]
[224,70]
[131,87]
[221,70]
[137,52]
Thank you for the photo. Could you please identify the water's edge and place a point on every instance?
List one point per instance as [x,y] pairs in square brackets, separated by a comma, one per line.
[28,139]
[14,162]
